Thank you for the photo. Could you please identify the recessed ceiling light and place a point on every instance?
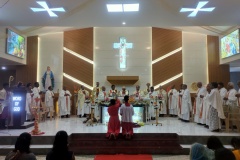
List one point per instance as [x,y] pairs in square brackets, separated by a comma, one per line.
[114,7]
[4,68]
[123,23]
[131,7]
[197,9]
[47,9]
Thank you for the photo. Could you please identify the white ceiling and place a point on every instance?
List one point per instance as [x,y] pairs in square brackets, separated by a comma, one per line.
[93,13]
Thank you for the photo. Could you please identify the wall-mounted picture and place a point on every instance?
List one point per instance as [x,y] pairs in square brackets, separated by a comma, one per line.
[16,45]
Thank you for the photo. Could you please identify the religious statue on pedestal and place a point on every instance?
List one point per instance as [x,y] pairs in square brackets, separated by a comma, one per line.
[48,79]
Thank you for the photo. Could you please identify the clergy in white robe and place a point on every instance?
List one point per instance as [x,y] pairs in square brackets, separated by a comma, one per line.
[138,94]
[153,96]
[28,102]
[231,99]
[162,98]
[3,96]
[216,110]
[222,91]
[83,95]
[95,92]
[49,99]
[186,107]
[199,104]
[147,90]
[173,101]
[238,93]
[123,92]
[113,92]
[36,95]
[102,95]
[179,104]
[65,102]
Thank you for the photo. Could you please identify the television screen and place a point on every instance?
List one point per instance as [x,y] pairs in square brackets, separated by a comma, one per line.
[15,44]
[230,44]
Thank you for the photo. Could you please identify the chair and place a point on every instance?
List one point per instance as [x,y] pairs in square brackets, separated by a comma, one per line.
[232,115]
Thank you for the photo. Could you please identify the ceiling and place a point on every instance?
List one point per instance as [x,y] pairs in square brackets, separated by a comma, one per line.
[93,13]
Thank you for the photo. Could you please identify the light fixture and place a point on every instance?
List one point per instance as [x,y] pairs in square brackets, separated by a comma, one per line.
[131,7]
[197,9]
[77,81]
[4,68]
[123,23]
[123,7]
[47,9]
[167,55]
[114,8]
[169,80]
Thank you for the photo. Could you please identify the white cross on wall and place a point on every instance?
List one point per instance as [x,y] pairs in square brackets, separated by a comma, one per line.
[197,9]
[122,46]
[46,8]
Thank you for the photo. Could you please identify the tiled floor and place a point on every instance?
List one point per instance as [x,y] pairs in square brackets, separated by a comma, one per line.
[75,125]
[155,157]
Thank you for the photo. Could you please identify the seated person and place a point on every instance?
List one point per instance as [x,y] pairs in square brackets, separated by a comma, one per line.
[22,149]
[235,142]
[200,152]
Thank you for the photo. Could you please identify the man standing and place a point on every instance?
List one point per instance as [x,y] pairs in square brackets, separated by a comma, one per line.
[65,107]
[103,94]
[49,98]
[172,101]
[113,91]
[126,111]
[123,92]
[238,93]
[199,104]
[95,92]
[222,90]
[147,89]
[36,95]
[230,99]
[82,96]
[186,103]
[3,102]
[162,98]
[152,95]
[138,93]
[216,109]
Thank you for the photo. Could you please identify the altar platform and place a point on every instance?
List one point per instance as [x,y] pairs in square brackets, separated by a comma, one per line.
[175,131]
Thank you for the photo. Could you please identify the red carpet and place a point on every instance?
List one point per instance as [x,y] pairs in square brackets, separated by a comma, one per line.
[123,157]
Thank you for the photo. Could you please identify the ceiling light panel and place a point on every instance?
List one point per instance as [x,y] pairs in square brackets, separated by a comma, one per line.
[115,7]
[131,7]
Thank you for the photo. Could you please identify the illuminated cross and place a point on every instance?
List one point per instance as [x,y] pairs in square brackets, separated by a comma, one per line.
[46,8]
[122,46]
[196,10]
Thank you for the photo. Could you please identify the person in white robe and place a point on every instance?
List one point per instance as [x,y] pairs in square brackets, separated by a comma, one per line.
[35,95]
[216,110]
[4,102]
[102,95]
[153,96]
[123,92]
[199,116]
[238,93]
[28,108]
[162,98]
[95,92]
[186,107]
[179,104]
[222,90]
[230,99]
[138,94]
[49,99]
[83,95]
[207,104]
[113,92]
[65,102]
[173,101]
[147,90]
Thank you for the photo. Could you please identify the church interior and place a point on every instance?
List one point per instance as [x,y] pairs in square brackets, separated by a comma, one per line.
[84,42]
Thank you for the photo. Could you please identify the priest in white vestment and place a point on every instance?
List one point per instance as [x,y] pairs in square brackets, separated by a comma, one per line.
[230,99]
[65,102]
[238,93]
[216,110]
[222,90]
[173,101]
[186,107]
[113,91]
[29,102]
[102,95]
[198,110]
[162,96]
[4,102]
[138,94]
[153,96]
[123,92]
[36,95]
[95,92]
[49,101]
[147,90]
[82,96]
[179,104]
